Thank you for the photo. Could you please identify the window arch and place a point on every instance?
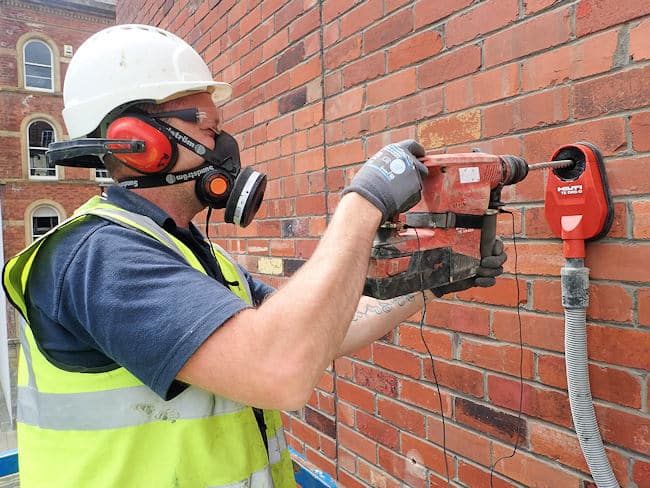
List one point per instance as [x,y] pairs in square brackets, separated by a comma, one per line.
[43,218]
[38,66]
[40,134]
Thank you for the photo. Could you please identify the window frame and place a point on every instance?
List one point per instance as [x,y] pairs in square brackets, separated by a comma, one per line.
[31,176]
[25,63]
[32,216]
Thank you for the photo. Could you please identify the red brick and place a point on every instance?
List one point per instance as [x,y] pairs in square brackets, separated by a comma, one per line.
[408,470]
[377,430]
[503,358]
[424,453]
[367,68]
[357,443]
[449,66]
[639,45]
[607,134]
[482,87]
[427,12]
[615,345]
[644,306]
[450,130]
[618,262]
[396,359]
[549,405]
[343,52]
[346,153]
[485,17]
[392,86]
[405,418]
[388,30]
[456,376]
[416,48]
[641,473]
[594,15]
[369,121]
[360,17]
[571,62]
[628,176]
[628,430]
[422,105]
[564,449]
[332,9]
[420,394]
[305,72]
[374,476]
[374,379]
[346,103]
[539,109]
[640,128]
[472,475]
[459,440]
[540,331]
[462,318]
[489,421]
[537,34]
[439,343]
[641,212]
[604,94]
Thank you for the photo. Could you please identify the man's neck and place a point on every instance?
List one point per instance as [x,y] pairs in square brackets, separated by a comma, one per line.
[180,205]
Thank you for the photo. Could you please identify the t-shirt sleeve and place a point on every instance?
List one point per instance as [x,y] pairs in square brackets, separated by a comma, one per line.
[142,304]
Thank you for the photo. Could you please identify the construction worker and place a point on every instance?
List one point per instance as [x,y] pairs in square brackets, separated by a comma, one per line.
[149,358]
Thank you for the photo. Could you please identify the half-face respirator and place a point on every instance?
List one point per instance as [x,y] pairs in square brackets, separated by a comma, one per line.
[149,145]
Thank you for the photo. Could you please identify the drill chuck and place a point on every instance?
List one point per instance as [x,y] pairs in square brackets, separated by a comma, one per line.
[515,169]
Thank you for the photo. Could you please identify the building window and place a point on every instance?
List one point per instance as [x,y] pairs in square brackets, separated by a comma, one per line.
[40,134]
[102,175]
[44,217]
[39,70]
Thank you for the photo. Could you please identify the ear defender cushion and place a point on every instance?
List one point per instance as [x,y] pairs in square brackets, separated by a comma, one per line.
[246,197]
[159,154]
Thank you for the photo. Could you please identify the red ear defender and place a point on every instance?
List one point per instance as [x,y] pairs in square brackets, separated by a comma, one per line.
[159,154]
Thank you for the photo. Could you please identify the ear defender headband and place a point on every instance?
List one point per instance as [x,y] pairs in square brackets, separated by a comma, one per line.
[150,146]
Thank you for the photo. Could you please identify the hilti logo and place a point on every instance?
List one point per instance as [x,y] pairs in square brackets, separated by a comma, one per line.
[570,189]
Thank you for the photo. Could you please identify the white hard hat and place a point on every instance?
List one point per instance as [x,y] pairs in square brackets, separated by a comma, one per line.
[128,63]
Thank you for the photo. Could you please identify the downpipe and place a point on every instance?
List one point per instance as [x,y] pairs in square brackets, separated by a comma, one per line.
[575,299]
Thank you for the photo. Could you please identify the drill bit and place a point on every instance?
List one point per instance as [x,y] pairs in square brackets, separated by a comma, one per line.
[560,163]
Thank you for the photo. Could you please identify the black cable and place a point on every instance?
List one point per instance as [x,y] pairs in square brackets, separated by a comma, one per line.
[433,366]
[521,357]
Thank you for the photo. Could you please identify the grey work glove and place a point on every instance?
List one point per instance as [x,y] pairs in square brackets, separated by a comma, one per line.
[490,268]
[392,179]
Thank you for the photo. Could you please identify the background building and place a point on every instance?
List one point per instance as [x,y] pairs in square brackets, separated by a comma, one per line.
[37,41]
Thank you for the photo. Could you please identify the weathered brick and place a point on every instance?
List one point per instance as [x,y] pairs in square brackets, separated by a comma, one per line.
[388,30]
[503,425]
[503,358]
[454,129]
[539,33]
[449,66]
[427,12]
[416,48]
[343,52]
[485,17]
[482,87]
[594,15]
[360,17]
[604,94]
[390,87]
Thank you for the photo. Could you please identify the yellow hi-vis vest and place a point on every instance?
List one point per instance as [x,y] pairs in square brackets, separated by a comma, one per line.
[78,430]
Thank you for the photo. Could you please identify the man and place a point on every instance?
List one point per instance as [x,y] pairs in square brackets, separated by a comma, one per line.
[150,358]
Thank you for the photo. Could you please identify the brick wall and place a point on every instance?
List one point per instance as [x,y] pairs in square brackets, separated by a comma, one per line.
[319,87]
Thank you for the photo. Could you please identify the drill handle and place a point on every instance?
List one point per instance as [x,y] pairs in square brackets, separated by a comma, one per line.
[488,233]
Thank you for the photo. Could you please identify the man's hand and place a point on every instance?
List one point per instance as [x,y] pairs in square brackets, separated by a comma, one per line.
[490,268]
[392,179]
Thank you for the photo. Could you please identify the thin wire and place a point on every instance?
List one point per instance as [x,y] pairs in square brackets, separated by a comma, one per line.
[521,356]
[433,366]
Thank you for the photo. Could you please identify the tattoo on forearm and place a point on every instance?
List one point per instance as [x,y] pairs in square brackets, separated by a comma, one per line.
[382,306]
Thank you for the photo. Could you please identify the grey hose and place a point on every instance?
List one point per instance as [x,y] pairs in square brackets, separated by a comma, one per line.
[575,298]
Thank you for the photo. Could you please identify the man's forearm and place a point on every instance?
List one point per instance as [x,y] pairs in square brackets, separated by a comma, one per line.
[374,318]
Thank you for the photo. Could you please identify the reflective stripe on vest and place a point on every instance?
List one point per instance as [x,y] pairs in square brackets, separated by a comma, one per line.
[183,439]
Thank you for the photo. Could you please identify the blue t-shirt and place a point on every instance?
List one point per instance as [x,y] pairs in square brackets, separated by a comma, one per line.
[102,295]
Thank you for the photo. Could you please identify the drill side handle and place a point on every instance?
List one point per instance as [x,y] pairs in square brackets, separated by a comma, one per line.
[488,233]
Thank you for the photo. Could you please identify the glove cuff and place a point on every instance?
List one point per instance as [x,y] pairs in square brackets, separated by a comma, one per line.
[370,197]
